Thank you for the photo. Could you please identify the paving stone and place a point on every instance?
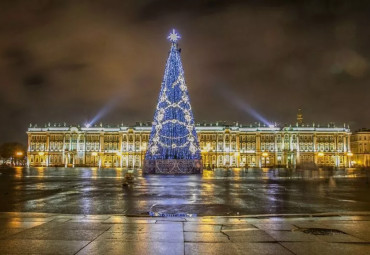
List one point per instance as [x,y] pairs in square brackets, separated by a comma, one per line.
[278,220]
[205,237]
[211,249]
[25,215]
[262,249]
[174,219]
[221,221]
[96,217]
[18,224]
[86,220]
[235,248]
[293,236]
[168,227]
[363,234]
[40,246]
[82,218]
[193,227]
[275,226]
[61,220]
[75,225]
[31,219]
[357,230]
[214,220]
[124,219]
[238,227]
[57,234]
[166,237]
[132,248]
[309,248]
[5,233]
[249,236]
[69,216]
[340,238]
[313,224]
[362,218]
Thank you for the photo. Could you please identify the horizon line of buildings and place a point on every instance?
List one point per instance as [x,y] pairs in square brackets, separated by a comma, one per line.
[221,144]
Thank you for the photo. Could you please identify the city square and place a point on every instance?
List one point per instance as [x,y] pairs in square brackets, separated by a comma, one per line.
[269,211]
[102,151]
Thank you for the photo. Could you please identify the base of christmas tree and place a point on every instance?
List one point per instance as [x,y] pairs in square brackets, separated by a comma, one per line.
[173,166]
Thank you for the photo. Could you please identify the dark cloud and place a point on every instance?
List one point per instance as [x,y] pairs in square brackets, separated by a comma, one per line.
[64,60]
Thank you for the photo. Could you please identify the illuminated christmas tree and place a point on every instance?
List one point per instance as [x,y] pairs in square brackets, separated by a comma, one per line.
[173,145]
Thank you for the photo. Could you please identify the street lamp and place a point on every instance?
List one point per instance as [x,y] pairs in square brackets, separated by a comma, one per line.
[142,150]
[265,155]
[206,150]
[279,160]
[351,163]
[94,154]
[320,155]
[18,156]
[236,155]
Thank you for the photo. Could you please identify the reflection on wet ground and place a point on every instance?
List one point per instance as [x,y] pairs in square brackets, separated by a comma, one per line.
[252,173]
[217,192]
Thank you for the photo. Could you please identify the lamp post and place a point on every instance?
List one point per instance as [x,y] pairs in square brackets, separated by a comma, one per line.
[349,155]
[320,155]
[279,160]
[41,154]
[18,155]
[94,154]
[206,150]
[264,156]
[236,155]
[142,149]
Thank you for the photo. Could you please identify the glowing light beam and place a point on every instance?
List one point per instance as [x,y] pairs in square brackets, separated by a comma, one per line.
[103,111]
[242,105]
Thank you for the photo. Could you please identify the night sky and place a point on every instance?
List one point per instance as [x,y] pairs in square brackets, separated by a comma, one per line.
[66,60]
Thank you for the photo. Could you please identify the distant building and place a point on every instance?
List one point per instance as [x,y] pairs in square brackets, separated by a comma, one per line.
[300,117]
[360,144]
[222,145]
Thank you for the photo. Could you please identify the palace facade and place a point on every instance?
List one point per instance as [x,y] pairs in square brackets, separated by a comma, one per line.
[360,144]
[222,145]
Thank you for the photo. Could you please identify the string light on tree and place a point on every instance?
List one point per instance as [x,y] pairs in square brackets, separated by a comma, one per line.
[173,134]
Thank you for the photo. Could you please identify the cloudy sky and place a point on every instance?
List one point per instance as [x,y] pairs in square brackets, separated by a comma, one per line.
[66,60]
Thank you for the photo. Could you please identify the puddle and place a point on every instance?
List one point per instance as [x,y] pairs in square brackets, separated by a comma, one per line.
[321,231]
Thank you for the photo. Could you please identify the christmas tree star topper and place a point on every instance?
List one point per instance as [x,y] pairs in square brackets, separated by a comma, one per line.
[174,36]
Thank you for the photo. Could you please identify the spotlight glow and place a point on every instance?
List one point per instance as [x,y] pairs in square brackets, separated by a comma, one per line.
[242,105]
[102,112]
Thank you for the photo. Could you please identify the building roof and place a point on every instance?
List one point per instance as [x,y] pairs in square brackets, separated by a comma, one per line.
[212,127]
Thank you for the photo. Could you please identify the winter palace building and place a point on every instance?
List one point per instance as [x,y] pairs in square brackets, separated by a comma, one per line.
[222,145]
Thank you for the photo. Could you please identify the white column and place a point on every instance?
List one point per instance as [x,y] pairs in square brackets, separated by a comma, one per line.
[298,150]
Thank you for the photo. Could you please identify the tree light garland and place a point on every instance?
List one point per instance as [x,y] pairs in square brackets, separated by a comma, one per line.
[173,134]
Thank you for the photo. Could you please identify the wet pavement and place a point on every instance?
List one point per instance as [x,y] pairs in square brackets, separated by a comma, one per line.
[40,233]
[218,192]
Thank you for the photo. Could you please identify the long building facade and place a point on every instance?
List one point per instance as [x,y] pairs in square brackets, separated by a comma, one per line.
[360,144]
[222,145]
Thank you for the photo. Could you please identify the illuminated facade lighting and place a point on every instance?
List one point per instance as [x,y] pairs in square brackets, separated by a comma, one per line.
[98,145]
